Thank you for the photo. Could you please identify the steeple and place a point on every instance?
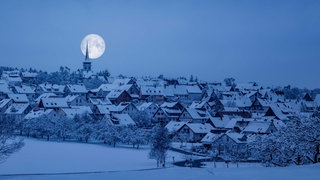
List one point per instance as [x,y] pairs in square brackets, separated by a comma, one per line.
[87,62]
[87,52]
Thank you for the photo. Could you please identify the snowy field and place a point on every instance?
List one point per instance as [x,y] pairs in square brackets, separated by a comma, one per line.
[54,160]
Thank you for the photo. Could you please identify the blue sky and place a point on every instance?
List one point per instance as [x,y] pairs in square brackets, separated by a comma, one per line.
[272,42]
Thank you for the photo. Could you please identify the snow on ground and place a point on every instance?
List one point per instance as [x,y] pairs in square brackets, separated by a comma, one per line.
[93,161]
[254,173]
[51,157]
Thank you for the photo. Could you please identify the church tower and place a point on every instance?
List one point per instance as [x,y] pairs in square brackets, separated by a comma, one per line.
[87,62]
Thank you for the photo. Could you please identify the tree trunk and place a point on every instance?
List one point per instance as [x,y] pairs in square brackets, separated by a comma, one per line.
[317,154]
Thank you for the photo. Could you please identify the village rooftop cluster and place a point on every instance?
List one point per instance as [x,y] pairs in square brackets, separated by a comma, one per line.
[216,116]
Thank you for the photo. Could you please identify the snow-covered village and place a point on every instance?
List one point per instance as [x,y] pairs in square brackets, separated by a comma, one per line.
[212,121]
[159,90]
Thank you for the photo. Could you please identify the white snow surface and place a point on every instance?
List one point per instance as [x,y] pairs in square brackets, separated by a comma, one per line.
[64,160]
[64,157]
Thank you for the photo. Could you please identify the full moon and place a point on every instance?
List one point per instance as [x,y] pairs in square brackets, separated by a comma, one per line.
[96,46]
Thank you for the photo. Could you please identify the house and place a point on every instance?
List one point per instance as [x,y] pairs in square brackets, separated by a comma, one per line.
[275,111]
[50,88]
[76,100]
[219,123]
[19,98]
[148,107]
[243,114]
[260,127]
[132,89]
[102,110]
[168,112]
[4,90]
[18,110]
[200,105]
[230,143]
[12,77]
[308,106]
[24,89]
[53,103]
[194,92]
[208,139]
[33,114]
[75,89]
[172,105]
[76,110]
[102,91]
[259,105]
[174,126]
[194,132]
[152,94]
[252,95]
[4,105]
[119,120]
[27,77]
[127,108]
[193,116]
[118,96]
[45,95]
[176,92]
[307,97]
[164,115]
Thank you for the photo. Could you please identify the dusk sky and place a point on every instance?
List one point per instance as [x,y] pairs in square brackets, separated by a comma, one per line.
[272,42]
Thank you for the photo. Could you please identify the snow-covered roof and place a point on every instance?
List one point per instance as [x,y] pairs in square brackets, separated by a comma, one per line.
[193,89]
[168,104]
[4,88]
[144,106]
[172,112]
[197,114]
[76,110]
[174,126]
[23,89]
[115,94]
[317,100]
[120,82]
[278,112]
[29,74]
[71,98]
[19,98]
[278,124]
[123,105]
[150,90]
[200,128]
[175,90]
[107,109]
[35,114]
[77,88]
[12,78]
[218,122]
[209,138]
[198,105]
[122,120]
[45,95]
[107,87]
[96,101]
[257,127]
[55,88]
[237,137]
[54,102]
[17,108]
[4,102]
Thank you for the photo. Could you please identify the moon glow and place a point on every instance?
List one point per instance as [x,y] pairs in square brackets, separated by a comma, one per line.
[96,46]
